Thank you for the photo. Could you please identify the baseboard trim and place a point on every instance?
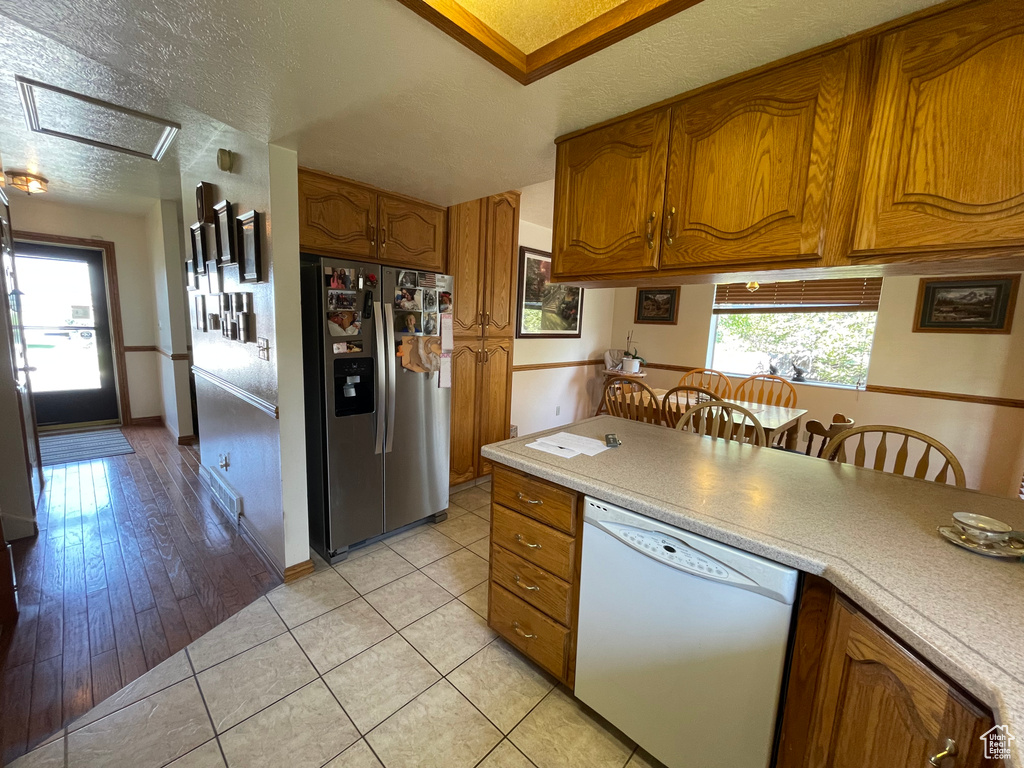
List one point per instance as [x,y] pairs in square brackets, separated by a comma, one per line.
[253,540]
[549,366]
[148,421]
[187,439]
[297,571]
[1004,402]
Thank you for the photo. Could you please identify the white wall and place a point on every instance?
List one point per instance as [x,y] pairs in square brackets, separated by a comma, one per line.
[573,391]
[988,440]
[135,278]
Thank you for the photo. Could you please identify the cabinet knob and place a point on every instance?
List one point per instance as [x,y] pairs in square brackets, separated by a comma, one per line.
[650,229]
[950,750]
[525,543]
[373,235]
[383,238]
[523,585]
[669,237]
[527,499]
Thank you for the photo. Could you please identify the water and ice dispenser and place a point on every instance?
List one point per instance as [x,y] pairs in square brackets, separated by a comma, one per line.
[353,386]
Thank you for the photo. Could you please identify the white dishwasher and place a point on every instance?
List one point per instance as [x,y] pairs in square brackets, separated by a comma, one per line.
[682,641]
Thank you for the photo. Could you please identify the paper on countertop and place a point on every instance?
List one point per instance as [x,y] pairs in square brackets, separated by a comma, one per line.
[444,376]
[447,332]
[565,453]
[584,445]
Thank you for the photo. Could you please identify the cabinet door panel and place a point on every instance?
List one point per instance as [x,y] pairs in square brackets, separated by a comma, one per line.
[879,705]
[502,257]
[411,234]
[465,263]
[751,165]
[947,124]
[495,395]
[465,406]
[336,216]
[609,194]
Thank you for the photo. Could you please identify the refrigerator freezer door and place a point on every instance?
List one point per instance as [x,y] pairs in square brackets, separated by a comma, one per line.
[355,474]
[417,442]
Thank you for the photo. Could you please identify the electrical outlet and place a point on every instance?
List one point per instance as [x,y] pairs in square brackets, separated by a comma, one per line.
[263,348]
[513,431]
[558,410]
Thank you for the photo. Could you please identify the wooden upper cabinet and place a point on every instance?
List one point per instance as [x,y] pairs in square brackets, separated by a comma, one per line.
[609,195]
[336,216]
[877,704]
[411,234]
[751,164]
[466,232]
[502,257]
[943,168]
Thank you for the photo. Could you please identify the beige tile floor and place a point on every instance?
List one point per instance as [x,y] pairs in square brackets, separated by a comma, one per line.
[384,661]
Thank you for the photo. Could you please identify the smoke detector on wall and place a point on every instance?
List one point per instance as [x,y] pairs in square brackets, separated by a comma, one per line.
[65,114]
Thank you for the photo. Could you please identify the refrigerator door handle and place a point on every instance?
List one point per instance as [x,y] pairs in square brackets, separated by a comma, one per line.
[378,322]
[389,314]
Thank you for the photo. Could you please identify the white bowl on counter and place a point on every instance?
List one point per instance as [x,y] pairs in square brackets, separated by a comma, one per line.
[981,529]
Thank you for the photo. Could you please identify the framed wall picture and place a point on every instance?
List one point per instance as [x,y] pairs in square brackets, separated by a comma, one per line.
[213,273]
[225,226]
[657,306]
[546,310]
[250,264]
[204,202]
[191,278]
[198,238]
[981,304]
[200,302]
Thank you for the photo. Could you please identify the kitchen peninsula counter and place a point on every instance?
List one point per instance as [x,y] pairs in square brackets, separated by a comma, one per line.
[871,534]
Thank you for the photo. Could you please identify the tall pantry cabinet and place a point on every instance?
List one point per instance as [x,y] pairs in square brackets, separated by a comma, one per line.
[483,245]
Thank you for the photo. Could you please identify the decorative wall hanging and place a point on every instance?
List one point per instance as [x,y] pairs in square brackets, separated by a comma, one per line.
[204,202]
[250,265]
[546,310]
[225,226]
[981,304]
[657,306]
[198,239]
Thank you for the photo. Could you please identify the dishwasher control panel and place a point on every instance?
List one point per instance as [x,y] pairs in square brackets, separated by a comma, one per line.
[671,551]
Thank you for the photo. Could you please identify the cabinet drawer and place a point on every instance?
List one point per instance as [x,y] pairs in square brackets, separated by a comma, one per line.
[541,545]
[532,584]
[533,633]
[535,498]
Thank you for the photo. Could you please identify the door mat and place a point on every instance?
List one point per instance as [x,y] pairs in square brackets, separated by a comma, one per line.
[82,446]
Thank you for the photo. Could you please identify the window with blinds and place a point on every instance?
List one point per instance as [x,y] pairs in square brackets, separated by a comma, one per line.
[849,295]
[817,331]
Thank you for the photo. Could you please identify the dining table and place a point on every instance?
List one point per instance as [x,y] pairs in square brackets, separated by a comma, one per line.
[781,424]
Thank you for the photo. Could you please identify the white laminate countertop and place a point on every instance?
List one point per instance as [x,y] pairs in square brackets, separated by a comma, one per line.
[871,534]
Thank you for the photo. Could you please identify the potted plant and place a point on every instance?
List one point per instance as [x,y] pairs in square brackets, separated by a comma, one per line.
[631,360]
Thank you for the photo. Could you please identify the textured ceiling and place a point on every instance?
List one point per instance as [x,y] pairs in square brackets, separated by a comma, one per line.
[529,24]
[537,205]
[368,89]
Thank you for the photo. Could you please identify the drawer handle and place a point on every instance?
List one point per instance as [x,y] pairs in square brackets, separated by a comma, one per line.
[528,500]
[950,750]
[525,543]
[518,631]
[527,587]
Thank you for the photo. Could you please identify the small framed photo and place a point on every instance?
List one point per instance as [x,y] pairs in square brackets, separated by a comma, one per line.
[250,265]
[246,302]
[224,225]
[981,304]
[198,238]
[204,202]
[243,327]
[225,303]
[657,306]
[213,274]
[200,302]
[213,321]
[546,310]
[237,303]
[191,279]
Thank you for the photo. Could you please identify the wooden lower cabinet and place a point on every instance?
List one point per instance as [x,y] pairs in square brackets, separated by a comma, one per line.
[534,576]
[481,403]
[857,698]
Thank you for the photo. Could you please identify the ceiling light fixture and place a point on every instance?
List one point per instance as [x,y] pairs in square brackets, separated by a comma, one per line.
[29,183]
[753,285]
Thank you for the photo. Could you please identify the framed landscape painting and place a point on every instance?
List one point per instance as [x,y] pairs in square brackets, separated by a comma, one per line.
[982,304]
[658,306]
[546,310]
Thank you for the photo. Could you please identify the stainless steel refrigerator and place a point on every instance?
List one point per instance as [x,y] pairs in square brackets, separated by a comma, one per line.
[377,431]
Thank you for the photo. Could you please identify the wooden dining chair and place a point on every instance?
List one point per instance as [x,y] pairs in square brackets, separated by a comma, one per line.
[679,400]
[722,420]
[708,378]
[836,450]
[632,399]
[817,429]
[766,389]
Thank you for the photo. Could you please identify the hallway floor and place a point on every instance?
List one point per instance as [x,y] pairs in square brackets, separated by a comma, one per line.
[131,564]
[384,660]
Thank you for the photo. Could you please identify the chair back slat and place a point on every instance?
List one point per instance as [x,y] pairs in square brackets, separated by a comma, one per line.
[632,399]
[708,378]
[836,451]
[679,400]
[722,420]
[766,389]
[816,429]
